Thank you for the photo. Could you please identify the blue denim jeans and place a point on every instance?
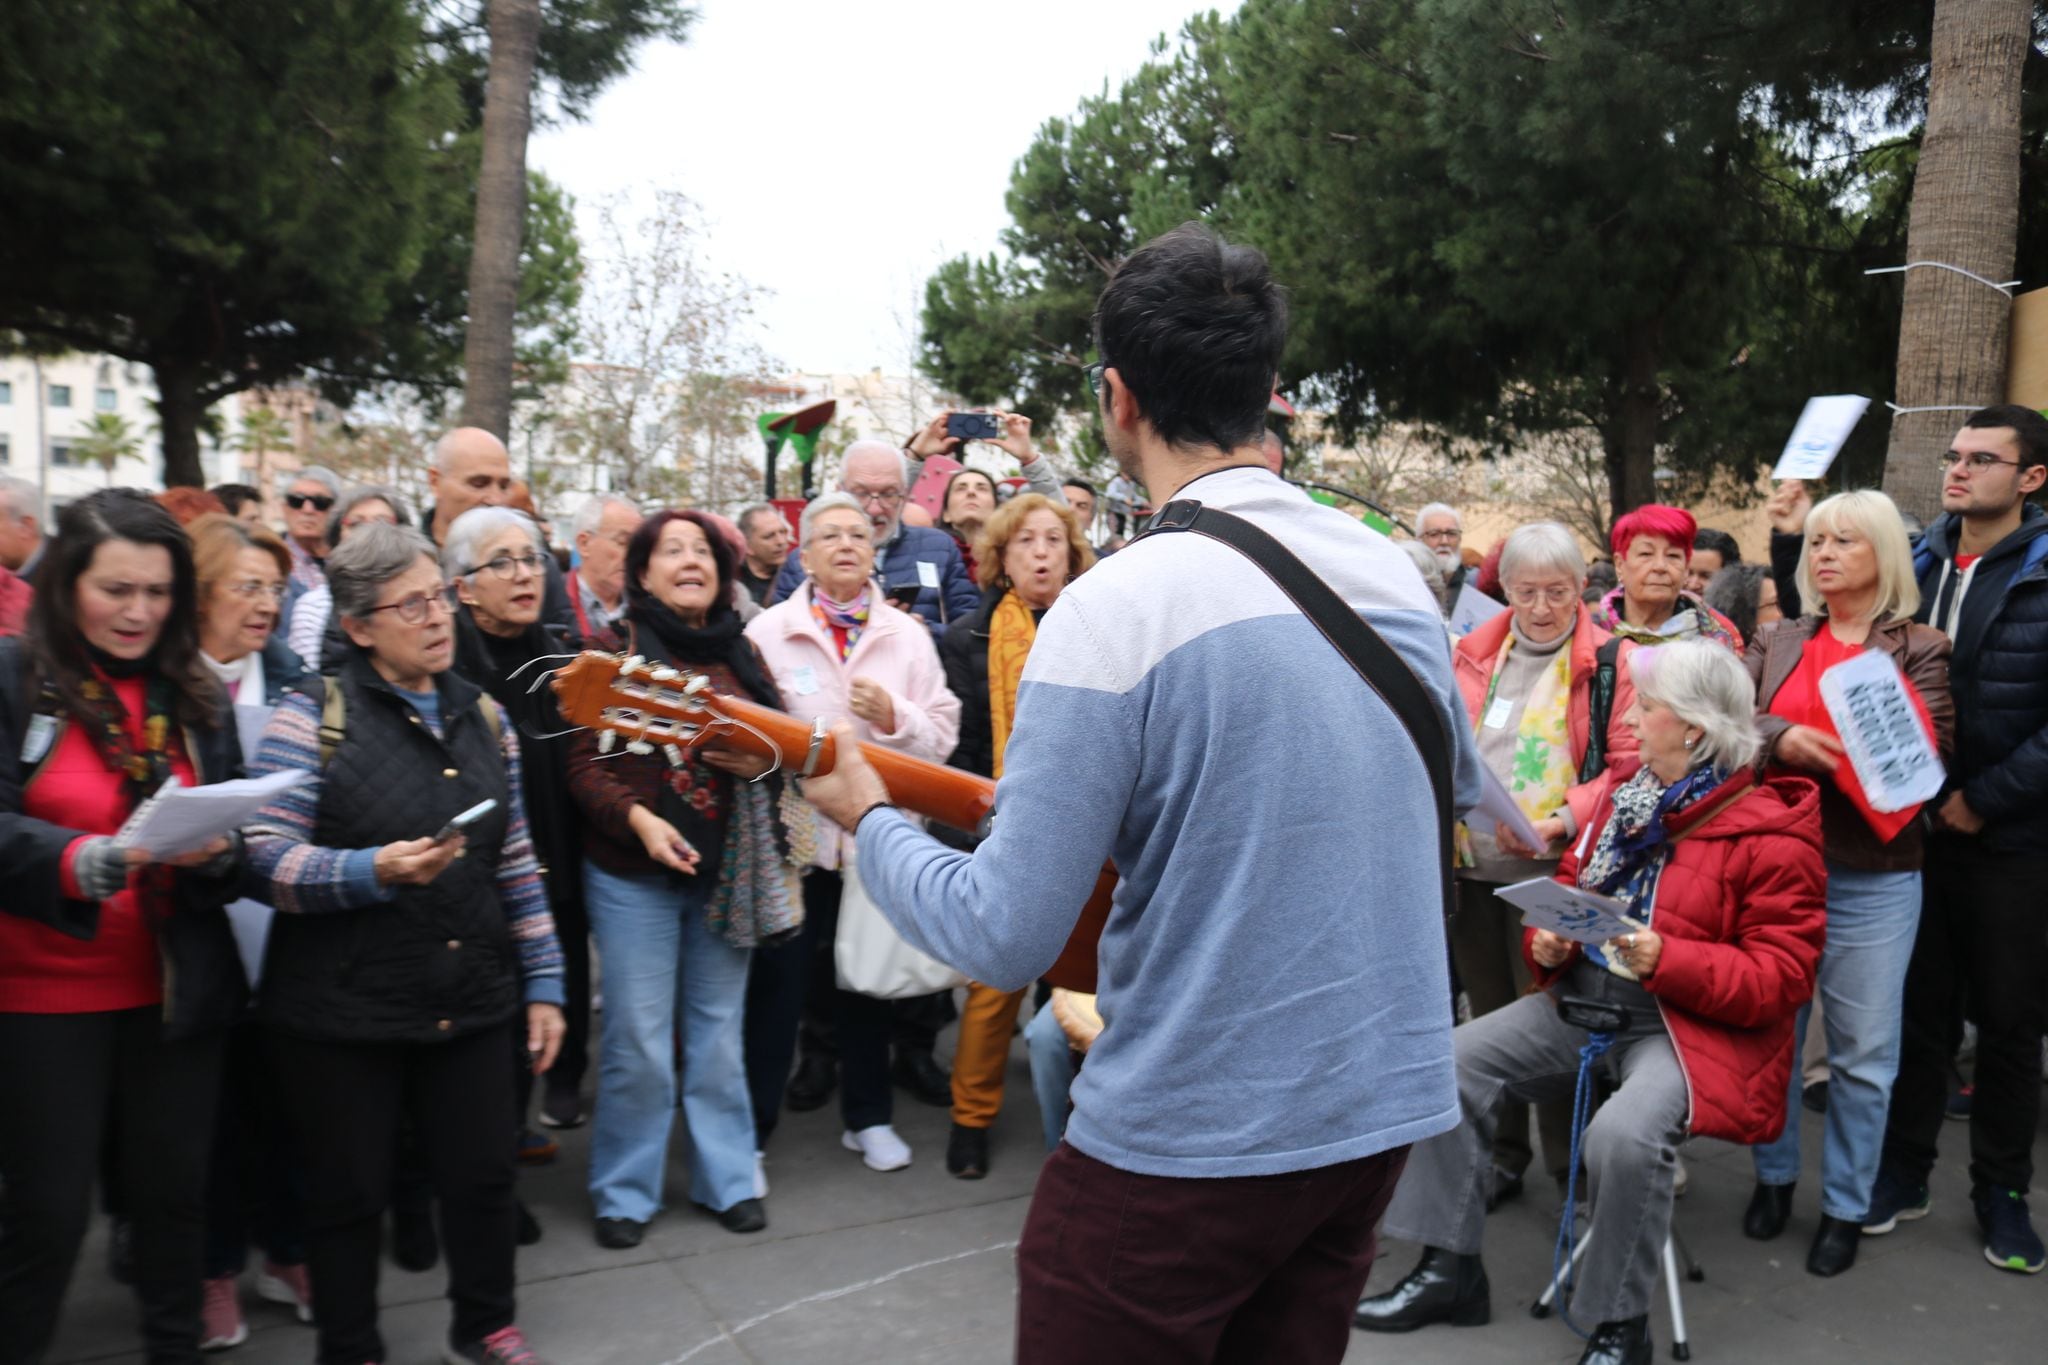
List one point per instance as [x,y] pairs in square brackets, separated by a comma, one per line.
[1872,918]
[658,954]
[1052,1072]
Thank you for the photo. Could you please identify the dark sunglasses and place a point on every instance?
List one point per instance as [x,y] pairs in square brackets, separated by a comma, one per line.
[299,502]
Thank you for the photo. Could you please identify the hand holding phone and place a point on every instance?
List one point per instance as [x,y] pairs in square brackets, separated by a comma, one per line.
[974,426]
[461,823]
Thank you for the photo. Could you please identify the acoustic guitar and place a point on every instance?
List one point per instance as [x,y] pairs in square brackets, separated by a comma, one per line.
[651,707]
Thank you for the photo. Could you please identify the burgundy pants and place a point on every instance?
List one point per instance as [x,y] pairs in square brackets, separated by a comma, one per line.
[1117,1267]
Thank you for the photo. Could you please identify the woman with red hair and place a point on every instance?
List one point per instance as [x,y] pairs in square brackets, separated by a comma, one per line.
[1652,545]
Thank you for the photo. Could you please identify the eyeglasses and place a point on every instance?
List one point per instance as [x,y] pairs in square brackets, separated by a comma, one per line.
[508,566]
[1977,461]
[1093,374]
[864,497]
[1552,596]
[255,586]
[416,608]
[299,502]
[1443,533]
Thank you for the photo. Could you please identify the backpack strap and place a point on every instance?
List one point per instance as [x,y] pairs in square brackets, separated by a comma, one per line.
[1601,709]
[489,707]
[333,720]
[1383,670]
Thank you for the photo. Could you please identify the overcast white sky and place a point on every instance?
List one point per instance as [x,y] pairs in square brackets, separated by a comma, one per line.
[908,112]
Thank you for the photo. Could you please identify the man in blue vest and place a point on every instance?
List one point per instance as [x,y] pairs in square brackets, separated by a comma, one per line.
[1983,571]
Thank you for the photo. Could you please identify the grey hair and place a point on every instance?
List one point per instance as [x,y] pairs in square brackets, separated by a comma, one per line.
[592,512]
[316,473]
[477,526]
[1705,685]
[828,502]
[361,565]
[19,497]
[871,447]
[356,497]
[1542,547]
[1426,564]
[747,514]
[1438,509]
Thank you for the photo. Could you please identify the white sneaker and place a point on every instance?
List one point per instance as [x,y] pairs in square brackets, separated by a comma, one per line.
[760,1175]
[291,1286]
[879,1147]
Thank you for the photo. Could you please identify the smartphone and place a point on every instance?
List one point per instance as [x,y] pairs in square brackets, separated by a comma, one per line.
[975,426]
[902,596]
[461,823]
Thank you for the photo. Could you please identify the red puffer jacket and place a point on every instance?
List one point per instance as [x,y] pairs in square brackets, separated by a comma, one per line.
[1741,907]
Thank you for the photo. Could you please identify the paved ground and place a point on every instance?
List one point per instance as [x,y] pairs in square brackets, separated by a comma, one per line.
[915,1266]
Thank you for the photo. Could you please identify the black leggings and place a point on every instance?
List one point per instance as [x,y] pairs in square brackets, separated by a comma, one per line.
[66,1078]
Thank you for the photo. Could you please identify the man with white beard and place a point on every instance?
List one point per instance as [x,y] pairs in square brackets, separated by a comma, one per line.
[1440,528]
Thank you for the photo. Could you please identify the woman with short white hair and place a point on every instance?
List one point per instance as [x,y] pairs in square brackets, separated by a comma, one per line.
[1722,874]
[1547,705]
[1858,566]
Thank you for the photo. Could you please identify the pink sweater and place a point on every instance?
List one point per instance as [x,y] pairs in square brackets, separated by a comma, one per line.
[895,650]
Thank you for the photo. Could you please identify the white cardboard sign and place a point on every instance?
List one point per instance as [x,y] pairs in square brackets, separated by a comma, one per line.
[1823,426]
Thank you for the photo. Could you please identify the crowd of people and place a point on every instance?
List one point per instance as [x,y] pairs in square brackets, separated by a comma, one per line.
[360,1006]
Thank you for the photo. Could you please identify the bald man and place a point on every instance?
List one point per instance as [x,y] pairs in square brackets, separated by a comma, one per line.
[915,564]
[472,469]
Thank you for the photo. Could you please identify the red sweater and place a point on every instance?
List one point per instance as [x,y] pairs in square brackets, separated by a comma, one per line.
[45,972]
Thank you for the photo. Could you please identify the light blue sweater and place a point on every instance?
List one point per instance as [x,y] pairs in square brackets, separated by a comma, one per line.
[1275,989]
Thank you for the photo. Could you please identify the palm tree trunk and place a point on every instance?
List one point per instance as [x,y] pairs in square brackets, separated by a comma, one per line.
[500,216]
[1966,202]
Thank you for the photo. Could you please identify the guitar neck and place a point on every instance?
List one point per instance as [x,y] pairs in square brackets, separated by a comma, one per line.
[933,790]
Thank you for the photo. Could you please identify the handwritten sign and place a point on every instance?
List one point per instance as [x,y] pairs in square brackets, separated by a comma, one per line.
[1568,911]
[1880,728]
[1823,427]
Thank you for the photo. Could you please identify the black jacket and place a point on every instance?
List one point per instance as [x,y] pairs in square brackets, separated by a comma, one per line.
[964,655]
[283,671]
[436,961]
[204,986]
[1998,675]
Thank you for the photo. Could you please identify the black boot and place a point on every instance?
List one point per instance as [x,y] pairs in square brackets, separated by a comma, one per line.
[816,1077]
[1443,1287]
[1834,1246]
[1768,1209]
[967,1152]
[1620,1343]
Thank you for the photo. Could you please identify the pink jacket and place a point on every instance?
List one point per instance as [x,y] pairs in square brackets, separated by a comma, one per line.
[1475,656]
[895,650]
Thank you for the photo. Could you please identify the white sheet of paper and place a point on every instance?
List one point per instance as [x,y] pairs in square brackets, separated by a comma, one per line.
[1567,911]
[1824,424]
[1880,728]
[927,573]
[1497,807]
[250,921]
[1472,610]
[179,820]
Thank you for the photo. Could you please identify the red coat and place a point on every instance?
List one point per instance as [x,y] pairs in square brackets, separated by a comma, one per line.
[1742,909]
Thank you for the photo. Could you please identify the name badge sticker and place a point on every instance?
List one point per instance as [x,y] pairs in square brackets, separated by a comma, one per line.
[804,682]
[927,573]
[1498,713]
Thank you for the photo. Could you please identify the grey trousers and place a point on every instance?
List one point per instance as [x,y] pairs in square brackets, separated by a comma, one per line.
[1486,948]
[1524,1054]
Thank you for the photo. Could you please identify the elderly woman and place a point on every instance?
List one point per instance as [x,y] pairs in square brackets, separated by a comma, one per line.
[254,1189]
[1029,551]
[118,973]
[1858,565]
[407,953]
[838,649]
[683,879]
[1547,698]
[308,625]
[495,557]
[1652,547]
[1724,876]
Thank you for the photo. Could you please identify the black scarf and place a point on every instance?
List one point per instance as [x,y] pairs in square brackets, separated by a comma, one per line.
[718,641]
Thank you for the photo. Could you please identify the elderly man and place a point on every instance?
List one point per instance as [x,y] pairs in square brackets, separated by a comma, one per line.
[21,527]
[767,535]
[597,585]
[1442,531]
[472,469]
[918,565]
[309,495]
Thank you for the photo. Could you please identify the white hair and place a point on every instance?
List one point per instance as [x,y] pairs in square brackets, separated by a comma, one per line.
[313,473]
[871,447]
[592,512]
[1426,564]
[1705,685]
[1438,509]
[18,497]
[1542,547]
[828,502]
[476,528]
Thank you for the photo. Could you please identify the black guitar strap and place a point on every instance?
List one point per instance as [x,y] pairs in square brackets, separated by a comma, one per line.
[1383,670]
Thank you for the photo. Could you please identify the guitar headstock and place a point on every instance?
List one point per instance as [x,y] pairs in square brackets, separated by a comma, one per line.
[645,704]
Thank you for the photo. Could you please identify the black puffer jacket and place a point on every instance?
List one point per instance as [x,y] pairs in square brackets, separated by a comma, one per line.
[1998,675]
[204,986]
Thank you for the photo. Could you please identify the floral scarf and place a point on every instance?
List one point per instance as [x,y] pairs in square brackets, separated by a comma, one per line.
[844,620]
[1543,770]
[1691,619]
[1628,858]
[105,720]
[1011,630]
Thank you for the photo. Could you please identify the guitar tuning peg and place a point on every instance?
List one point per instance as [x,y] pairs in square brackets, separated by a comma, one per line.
[632,663]
[696,686]
[664,674]
[607,740]
[639,746]
[675,755]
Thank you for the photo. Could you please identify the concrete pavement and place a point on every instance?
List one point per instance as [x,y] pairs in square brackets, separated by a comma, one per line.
[915,1266]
